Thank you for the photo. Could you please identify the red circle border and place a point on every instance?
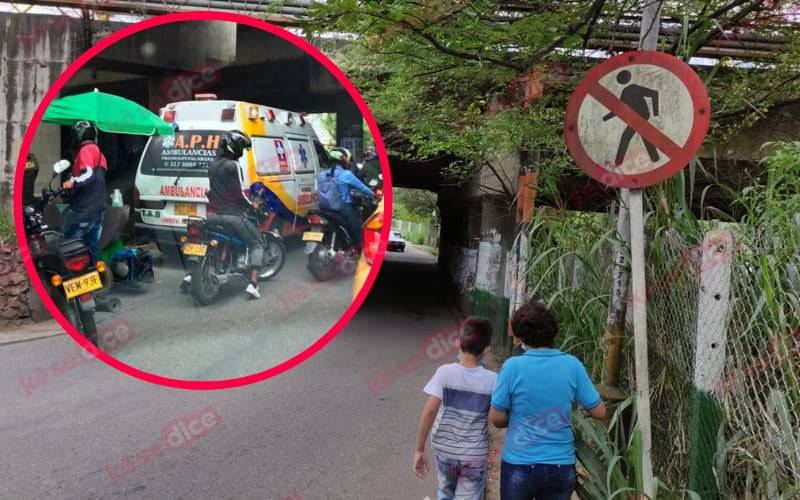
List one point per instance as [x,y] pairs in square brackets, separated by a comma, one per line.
[273,30]
[700,104]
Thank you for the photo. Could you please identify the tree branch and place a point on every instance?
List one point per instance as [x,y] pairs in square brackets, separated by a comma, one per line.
[466,55]
[506,189]
[595,8]
[732,21]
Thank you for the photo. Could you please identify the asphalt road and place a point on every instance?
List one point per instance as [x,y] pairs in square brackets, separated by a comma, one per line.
[339,426]
[173,336]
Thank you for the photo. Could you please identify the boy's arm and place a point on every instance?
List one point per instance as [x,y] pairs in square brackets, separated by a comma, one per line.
[429,412]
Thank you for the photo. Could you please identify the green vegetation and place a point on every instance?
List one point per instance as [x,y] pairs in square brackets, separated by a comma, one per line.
[612,458]
[571,270]
[448,76]
[416,238]
[7,234]
[413,205]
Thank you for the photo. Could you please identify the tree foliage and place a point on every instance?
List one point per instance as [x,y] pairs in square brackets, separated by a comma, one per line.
[441,75]
[414,205]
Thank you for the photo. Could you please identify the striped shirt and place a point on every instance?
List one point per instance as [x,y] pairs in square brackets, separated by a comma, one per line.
[461,428]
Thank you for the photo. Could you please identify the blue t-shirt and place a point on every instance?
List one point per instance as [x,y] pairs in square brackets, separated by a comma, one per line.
[538,389]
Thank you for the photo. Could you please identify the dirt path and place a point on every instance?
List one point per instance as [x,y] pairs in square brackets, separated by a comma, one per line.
[496,437]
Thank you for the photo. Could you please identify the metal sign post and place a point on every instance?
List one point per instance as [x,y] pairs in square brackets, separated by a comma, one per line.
[636,120]
[648,40]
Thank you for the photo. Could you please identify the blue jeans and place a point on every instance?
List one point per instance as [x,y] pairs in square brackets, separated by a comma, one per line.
[538,481]
[85,226]
[353,221]
[460,479]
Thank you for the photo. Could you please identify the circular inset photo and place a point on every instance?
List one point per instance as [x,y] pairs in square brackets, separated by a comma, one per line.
[201,199]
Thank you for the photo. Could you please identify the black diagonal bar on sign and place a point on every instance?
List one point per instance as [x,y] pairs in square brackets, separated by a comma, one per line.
[643,127]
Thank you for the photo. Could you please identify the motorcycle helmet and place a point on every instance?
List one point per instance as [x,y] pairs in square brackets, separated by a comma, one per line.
[84,131]
[342,155]
[234,143]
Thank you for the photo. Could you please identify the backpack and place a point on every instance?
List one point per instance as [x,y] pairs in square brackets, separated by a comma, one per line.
[328,190]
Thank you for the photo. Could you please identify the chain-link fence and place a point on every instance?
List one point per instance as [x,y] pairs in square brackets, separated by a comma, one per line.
[723,310]
[724,348]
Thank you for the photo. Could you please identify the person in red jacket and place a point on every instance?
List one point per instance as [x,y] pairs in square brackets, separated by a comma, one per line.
[87,189]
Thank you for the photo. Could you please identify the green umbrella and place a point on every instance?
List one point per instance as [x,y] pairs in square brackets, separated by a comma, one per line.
[110,113]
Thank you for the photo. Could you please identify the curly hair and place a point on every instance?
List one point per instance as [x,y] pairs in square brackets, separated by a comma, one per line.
[534,324]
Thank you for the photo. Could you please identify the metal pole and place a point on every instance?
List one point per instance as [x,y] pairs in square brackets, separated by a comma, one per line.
[639,305]
[648,40]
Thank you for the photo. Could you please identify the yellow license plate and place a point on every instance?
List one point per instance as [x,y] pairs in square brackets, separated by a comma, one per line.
[312,236]
[194,249]
[82,284]
[185,209]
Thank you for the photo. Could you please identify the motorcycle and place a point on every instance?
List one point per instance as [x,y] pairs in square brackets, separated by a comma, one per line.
[64,265]
[328,242]
[214,257]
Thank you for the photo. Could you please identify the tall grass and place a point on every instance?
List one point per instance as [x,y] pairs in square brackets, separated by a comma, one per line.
[569,270]
[416,237]
[7,234]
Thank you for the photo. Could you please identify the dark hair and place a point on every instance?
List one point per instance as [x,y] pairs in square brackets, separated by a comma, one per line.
[475,335]
[534,324]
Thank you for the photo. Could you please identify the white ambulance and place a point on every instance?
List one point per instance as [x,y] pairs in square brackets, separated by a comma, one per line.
[172,178]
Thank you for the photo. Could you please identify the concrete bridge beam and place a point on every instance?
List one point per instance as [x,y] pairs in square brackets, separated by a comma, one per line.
[349,127]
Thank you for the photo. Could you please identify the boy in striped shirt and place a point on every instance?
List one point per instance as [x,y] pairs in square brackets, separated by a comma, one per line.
[459,395]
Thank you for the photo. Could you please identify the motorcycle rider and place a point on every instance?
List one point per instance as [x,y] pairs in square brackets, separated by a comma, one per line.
[87,189]
[345,180]
[371,169]
[227,204]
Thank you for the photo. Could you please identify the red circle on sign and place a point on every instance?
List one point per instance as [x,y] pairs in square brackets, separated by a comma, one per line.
[681,154]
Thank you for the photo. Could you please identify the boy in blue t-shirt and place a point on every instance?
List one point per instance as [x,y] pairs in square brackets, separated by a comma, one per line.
[459,395]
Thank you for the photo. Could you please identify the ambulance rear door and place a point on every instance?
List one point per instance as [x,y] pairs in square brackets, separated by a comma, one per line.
[305,167]
[271,154]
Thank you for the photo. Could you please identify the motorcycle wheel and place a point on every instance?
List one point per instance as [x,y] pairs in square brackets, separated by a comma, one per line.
[321,263]
[68,309]
[274,258]
[205,284]
[89,326]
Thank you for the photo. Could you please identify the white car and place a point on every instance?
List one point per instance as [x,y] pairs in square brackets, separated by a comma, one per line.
[396,242]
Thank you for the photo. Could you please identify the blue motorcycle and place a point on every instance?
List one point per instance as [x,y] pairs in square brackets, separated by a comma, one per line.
[214,257]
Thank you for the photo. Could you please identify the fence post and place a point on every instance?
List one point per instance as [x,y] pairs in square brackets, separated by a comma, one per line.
[709,361]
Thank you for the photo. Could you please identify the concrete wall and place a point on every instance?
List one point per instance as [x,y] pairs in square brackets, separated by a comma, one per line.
[478,227]
[780,124]
[211,40]
[14,287]
[35,50]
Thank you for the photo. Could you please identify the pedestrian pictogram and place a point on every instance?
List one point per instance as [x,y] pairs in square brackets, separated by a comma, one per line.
[637,119]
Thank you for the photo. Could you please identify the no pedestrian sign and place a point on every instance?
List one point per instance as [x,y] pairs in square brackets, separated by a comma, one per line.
[637,119]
